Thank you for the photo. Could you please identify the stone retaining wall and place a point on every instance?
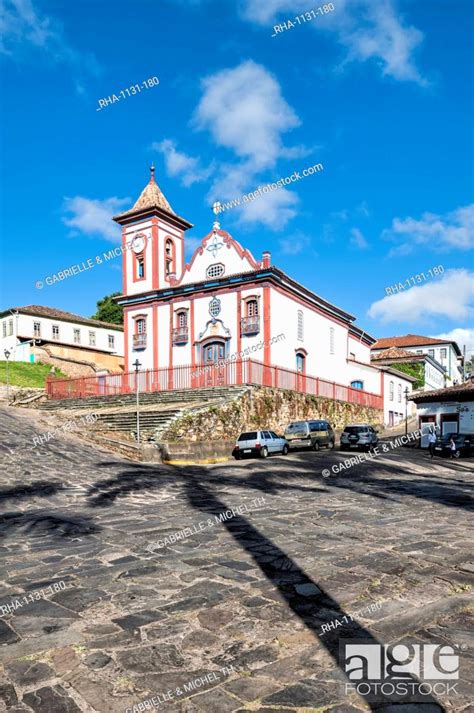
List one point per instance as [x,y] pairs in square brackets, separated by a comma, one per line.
[262,407]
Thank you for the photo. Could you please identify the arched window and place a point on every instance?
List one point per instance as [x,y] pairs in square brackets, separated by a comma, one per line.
[250,323]
[252,308]
[391,390]
[180,331]
[357,384]
[300,328]
[182,318]
[169,257]
[139,337]
[399,393]
[300,362]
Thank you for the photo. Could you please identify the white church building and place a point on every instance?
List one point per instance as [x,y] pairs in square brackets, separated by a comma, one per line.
[228,318]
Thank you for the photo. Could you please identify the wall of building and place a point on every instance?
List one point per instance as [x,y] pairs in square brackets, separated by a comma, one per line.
[128,258]
[397,403]
[316,339]
[434,379]
[462,410]
[23,326]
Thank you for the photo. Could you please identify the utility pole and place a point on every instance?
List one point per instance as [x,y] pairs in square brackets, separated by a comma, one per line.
[137,366]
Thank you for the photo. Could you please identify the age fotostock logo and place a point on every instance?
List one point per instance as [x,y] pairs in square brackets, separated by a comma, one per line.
[400,669]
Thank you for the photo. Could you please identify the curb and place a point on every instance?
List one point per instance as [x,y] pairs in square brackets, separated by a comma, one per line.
[205,461]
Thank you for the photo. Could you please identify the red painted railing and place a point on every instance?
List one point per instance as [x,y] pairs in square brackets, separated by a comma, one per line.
[235,373]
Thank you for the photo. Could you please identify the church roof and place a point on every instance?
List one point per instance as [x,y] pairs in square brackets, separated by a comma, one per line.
[151,197]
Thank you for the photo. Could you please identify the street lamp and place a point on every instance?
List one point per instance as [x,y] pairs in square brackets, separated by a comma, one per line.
[7,357]
[137,366]
[406,409]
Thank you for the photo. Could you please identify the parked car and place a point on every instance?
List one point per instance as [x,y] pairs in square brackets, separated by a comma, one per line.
[310,434]
[260,443]
[464,444]
[359,436]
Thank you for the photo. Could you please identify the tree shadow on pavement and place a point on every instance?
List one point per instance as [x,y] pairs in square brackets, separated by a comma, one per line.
[306,599]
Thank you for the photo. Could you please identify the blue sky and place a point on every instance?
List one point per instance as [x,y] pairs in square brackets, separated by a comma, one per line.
[379,92]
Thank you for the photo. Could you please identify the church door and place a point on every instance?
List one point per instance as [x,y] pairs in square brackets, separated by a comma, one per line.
[213,354]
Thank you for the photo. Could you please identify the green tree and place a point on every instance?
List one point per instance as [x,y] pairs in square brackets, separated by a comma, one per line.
[413,369]
[108,310]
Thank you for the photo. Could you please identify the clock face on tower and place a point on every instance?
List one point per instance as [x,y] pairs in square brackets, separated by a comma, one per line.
[138,243]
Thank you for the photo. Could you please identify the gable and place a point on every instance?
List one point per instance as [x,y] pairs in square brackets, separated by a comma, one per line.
[219,255]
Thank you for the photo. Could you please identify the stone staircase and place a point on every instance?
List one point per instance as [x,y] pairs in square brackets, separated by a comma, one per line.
[159,398]
[117,414]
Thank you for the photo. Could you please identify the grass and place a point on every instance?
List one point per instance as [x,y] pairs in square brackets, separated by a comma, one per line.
[24,374]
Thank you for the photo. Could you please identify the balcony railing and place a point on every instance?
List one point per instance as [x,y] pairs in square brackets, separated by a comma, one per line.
[192,376]
[249,325]
[180,335]
[139,341]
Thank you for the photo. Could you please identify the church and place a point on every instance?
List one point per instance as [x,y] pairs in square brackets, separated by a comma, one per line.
[226,317]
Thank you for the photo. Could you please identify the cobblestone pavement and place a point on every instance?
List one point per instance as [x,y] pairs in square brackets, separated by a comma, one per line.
[246,613]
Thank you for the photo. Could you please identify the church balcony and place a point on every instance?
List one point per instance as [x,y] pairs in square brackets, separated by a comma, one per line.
[139,341]
[249,325]
[180,335]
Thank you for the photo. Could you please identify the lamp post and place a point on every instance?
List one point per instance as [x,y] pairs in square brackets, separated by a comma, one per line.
[7,357]
[137,366]
[406,409]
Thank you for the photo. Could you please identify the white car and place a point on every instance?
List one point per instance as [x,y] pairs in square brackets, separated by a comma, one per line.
[260,443]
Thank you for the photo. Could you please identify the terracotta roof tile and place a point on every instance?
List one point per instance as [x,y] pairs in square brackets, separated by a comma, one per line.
[464,389]
[395,353]
[409,340]
[53,313]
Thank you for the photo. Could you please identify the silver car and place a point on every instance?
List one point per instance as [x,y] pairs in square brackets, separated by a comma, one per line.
[260,443]
[359,435]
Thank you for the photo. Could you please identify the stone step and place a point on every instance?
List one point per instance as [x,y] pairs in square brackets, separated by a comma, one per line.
[159,397]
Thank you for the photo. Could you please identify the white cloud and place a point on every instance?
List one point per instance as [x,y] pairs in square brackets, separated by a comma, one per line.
[294,244]
[94,217]
[368,29]
[452,296]
[273,210]
[463,337]
[440,232]
[244,111]
[22,28]
[357,239]
[180,164]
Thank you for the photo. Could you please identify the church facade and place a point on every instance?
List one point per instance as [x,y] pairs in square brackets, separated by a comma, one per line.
[226,317]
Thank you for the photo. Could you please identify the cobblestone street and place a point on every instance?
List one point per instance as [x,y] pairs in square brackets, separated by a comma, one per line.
[253,606]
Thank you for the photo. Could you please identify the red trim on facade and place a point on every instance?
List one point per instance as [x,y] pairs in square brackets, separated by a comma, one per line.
[154,254]
[135,259]
[125,339]
[124,262]
[191,317]
[238,333]
[266,333]
[170,357]
[155,334]
[171,239]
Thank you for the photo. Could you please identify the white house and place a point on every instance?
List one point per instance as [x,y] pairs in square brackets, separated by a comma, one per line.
[450,410]
[432,371]
[397,389]
[29,332]
[443,351]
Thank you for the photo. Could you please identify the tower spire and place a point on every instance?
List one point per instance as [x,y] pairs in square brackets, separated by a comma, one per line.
[152,173]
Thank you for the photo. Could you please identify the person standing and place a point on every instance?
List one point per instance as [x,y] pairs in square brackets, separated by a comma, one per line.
[452,448]
[431,442]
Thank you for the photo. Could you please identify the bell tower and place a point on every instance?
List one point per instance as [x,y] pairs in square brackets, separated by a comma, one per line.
[152,242]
